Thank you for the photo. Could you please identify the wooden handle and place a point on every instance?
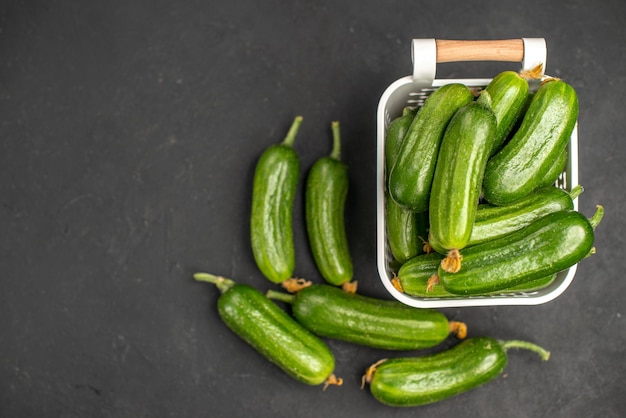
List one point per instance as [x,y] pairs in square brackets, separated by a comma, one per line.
[511,50]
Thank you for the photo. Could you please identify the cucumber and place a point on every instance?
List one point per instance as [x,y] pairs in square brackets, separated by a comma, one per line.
[493,222]
[272,332]
[271,231]
[395,136]
[418,277]
[406,230]
[509,92]
[333,313]
[413,276]
[521,165]
[414,381]
[555,170]
[458,177]
[548,245]
[325,198]
[411,175]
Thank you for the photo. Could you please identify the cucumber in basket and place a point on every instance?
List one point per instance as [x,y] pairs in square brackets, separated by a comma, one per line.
[521,165]
[411,176]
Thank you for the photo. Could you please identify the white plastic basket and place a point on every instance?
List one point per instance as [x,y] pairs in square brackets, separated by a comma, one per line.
[412,90]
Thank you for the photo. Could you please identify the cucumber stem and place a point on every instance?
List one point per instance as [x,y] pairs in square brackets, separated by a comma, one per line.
[222,283]
[576,191]
[350,287]
[294,284]
[332,380]
[336,153]
[597,217]
[281,296]
[396,284]
[532,74]
[293,131]
[452,262]
[543,353]
[459,329]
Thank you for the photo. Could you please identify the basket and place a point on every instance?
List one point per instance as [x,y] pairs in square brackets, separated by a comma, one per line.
[412,90]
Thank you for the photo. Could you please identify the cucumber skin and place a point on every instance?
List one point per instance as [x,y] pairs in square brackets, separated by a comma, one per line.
[555,170]
[521,165]
[509,93]
[404,227]
[275,335]
[415,273]
[548,245]
[273,194]
[458,176]
[411,176]
[406,231]
[423,380]
[395,136]
[493,222]
[325,198]
[330,312]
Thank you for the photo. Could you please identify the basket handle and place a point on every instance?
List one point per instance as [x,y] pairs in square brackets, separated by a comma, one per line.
[427,53]
[497,50]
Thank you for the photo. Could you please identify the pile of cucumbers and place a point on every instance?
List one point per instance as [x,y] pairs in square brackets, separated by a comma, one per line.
[440,158]
[472,208]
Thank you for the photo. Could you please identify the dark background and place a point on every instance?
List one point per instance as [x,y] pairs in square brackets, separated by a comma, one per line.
[129,132]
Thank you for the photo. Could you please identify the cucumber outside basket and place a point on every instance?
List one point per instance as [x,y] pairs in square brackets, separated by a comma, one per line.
[412,91]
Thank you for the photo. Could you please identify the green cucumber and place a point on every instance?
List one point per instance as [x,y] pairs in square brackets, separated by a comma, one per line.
[413,276]
[395,136]
[325,198]
[493,222]
[271,231]
[418,277]
[458,176]
[509,92]
[333,313]
[272,332]
[555,170]
[548,245]
[414,381]
[411,175]
[521,165]
[406,230]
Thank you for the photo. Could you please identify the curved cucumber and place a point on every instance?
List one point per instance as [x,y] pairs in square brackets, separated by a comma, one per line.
[521,165]
[325,198]
[411,176]
[415,381]
[493,222]
[418,277]
[331,312]
[273,193]
[509,92]
[548,245]
[406,230]
[555,170]
[396,132]
[272,332]
[458,176]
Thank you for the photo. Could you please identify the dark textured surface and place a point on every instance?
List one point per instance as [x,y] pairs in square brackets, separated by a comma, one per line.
[129,134]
